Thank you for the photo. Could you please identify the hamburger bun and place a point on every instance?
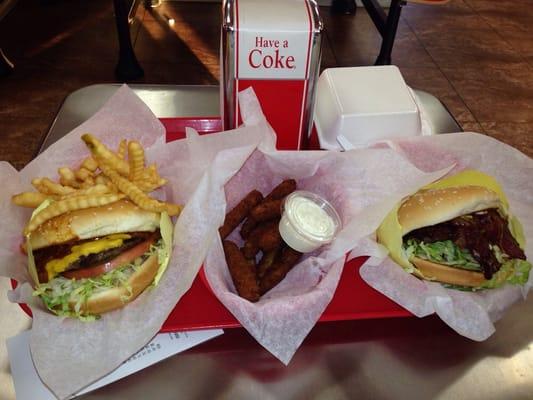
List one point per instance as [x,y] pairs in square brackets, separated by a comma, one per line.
[434,206]
[431,207]
[121,216]
[95,223]
[445,274]
[464,193]
[118,297]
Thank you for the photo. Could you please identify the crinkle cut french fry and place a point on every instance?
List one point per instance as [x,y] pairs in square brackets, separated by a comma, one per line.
[137,195]
[95,189]
[150,180]
[70,204]
[153,175]
[102,154]
[83,173]
[67,177]
[87,183]
[90,164]
[45,185]
[104,180]
[121,152]
[29,199]
[136,160]
[101,179]
[147,186]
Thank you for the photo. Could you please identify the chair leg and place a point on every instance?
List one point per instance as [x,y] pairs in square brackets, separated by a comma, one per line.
[389,34]
[6,66]
[128,68]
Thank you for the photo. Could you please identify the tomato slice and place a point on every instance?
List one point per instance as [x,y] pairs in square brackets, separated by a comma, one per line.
[123,258]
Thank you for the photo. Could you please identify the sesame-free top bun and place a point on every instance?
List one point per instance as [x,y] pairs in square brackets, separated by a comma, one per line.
[118,217]
[431,207]
[117,297]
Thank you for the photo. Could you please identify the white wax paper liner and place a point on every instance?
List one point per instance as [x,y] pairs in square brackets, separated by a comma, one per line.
[69,354]
[362,184]
[470,314]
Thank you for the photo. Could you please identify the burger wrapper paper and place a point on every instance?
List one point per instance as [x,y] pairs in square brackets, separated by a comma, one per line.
[67,353]
[362,185]
[471,314]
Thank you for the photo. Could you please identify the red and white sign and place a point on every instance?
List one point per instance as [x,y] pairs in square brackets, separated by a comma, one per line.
[274,47]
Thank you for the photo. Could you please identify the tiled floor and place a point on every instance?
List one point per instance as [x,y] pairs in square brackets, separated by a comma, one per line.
[475,55]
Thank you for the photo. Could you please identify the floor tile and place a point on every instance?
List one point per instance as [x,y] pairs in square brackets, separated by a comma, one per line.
[495,94]
[356,41]
[505,14]
[433,81]
[26,94]
[21,137]
[159,42]
[66,30]
[455,15]
[200,15]
[520,41]
[328,57]
[472,127]
[472,48]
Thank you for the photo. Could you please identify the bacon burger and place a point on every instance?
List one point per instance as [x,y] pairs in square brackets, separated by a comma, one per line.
[458,231]
[90,261]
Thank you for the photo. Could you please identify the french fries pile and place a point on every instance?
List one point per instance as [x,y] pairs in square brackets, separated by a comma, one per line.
[264,259]
[102,178]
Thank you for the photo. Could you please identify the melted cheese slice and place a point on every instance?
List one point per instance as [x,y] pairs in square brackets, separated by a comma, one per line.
[56,266]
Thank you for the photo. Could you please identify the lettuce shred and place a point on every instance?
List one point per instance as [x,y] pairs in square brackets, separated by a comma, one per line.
[60,291]
[513,271]
[443,252]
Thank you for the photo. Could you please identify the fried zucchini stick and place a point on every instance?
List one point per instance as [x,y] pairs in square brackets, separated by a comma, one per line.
[266,262]
[278,193]
[282,190]
[242,272]
[277,271]
[264,237]
[239,212]
[266,210]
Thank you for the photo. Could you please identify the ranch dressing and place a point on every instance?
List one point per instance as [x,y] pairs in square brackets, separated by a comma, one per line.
[308,221]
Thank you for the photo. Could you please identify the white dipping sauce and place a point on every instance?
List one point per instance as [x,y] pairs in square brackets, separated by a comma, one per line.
[308,222]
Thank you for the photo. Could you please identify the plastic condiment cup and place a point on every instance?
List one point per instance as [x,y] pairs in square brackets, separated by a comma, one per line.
[308,221]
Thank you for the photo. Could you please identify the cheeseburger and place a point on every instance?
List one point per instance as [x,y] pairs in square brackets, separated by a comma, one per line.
[458,231]
[90,261]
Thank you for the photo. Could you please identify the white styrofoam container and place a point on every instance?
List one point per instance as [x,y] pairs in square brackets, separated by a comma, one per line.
[361,105]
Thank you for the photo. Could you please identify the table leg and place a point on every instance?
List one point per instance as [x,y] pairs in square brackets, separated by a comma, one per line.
[128,68]
[386,24]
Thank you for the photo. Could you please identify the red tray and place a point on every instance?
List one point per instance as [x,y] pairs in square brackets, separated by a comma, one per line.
[200,309]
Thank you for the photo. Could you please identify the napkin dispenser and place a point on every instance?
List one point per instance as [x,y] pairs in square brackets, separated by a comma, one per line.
[360,105]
